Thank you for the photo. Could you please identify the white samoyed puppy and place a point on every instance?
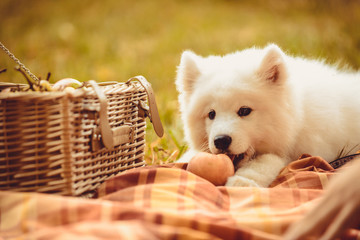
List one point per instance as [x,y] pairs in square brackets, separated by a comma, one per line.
[264,108]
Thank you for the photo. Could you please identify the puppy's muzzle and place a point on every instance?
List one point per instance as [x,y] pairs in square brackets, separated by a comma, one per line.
[222,142]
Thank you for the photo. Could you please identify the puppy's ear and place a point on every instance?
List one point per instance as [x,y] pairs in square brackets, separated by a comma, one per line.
[272,68]
[188,72]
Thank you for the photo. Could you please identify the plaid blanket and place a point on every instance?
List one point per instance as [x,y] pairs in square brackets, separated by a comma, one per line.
[167,202]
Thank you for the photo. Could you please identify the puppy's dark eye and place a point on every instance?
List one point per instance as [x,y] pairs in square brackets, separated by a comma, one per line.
[244,111]
[212,114]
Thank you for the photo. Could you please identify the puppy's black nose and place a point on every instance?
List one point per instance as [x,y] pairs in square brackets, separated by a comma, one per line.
[222,142]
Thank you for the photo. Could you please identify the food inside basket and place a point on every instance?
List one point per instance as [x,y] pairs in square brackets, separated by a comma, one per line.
[41,85]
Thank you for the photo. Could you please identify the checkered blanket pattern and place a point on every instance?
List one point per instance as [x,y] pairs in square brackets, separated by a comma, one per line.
[167,202]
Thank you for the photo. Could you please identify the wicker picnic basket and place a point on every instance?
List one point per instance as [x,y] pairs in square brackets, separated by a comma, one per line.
[69,143]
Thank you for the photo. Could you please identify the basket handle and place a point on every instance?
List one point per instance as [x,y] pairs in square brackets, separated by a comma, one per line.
[154,113]
[112,137]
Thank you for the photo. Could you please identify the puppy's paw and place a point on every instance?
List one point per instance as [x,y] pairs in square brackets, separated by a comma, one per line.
[239,181]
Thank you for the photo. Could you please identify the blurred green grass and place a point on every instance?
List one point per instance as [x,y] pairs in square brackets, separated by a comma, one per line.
[117,39]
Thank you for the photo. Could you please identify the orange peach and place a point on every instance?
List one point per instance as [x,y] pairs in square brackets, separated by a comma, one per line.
[214,168]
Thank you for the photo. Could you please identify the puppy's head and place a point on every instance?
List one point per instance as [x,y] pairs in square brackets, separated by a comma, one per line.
[237,104]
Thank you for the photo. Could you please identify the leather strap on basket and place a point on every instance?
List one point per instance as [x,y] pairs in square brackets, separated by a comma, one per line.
[154,113]
[112,137]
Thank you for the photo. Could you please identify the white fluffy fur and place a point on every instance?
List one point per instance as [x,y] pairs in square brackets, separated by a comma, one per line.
[299,106]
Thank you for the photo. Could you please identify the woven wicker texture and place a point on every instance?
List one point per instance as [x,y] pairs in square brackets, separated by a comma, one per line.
[46,138]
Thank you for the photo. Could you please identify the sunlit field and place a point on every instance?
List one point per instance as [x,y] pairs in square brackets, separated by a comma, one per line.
[116,39]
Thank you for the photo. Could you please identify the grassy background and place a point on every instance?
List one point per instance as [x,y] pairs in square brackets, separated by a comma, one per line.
[117,39]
